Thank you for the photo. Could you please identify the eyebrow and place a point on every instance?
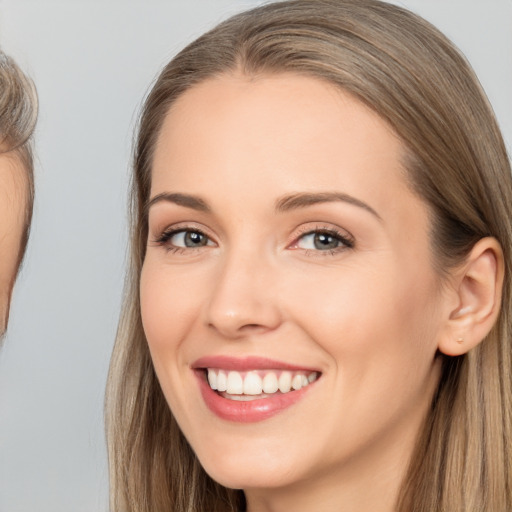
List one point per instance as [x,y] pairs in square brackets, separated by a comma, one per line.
[186,200]
[303,200]
[283,204]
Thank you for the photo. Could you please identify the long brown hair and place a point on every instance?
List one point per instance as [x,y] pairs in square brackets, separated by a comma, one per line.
[414,78]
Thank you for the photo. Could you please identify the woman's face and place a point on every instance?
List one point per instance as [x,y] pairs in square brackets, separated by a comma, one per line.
[285,248]
[12,205]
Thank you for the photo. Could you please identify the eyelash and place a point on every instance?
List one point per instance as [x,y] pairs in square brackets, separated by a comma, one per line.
[346,241]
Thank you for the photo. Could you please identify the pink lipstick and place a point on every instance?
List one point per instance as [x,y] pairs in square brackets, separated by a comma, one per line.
[251,389]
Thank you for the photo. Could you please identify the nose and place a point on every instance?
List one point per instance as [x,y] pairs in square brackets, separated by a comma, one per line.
[244,300]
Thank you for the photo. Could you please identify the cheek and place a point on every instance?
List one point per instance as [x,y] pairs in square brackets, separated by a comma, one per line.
[168,311]
[380,335]
[373,324]
[169,304]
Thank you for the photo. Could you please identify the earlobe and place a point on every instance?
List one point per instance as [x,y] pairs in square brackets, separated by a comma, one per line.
[477,286]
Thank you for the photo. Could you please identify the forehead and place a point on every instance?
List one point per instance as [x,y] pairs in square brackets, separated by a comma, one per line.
[274,126]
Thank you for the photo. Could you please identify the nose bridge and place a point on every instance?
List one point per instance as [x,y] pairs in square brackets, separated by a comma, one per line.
[242,298]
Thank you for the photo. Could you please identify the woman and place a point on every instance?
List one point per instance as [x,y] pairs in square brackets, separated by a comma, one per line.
[317,315]
[18,112]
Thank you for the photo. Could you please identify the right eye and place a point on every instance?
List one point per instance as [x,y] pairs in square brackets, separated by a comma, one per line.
[185,239]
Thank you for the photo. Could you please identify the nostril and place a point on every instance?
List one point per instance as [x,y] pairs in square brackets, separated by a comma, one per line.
[255,329]
[236,331]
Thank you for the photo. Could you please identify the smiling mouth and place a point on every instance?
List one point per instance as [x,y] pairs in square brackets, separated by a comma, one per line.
[257,384]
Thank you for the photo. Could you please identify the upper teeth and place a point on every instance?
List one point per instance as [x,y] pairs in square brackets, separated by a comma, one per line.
[255,382]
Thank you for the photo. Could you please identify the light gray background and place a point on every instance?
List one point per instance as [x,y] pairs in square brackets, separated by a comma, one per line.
[92,62]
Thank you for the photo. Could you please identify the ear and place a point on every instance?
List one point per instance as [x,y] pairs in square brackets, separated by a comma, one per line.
[475,288]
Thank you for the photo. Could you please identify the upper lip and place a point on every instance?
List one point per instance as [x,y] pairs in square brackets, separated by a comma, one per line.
[246,363]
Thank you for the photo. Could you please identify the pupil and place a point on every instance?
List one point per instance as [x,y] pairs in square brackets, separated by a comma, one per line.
[325,241]
[192,238]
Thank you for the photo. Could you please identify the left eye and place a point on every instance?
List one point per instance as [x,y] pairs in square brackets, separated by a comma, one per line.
[321,241]
[189,239]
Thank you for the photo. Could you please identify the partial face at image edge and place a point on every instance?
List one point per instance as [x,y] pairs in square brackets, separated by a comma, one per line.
[13,204]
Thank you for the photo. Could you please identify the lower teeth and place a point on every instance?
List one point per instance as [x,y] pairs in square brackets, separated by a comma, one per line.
[246,398]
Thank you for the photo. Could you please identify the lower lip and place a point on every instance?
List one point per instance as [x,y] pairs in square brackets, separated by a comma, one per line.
[249,411]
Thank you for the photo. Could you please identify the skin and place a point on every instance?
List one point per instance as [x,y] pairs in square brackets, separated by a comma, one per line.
[369,317]
[12,206]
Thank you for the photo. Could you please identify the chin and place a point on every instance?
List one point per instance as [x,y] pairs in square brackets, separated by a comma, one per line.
[236,471]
